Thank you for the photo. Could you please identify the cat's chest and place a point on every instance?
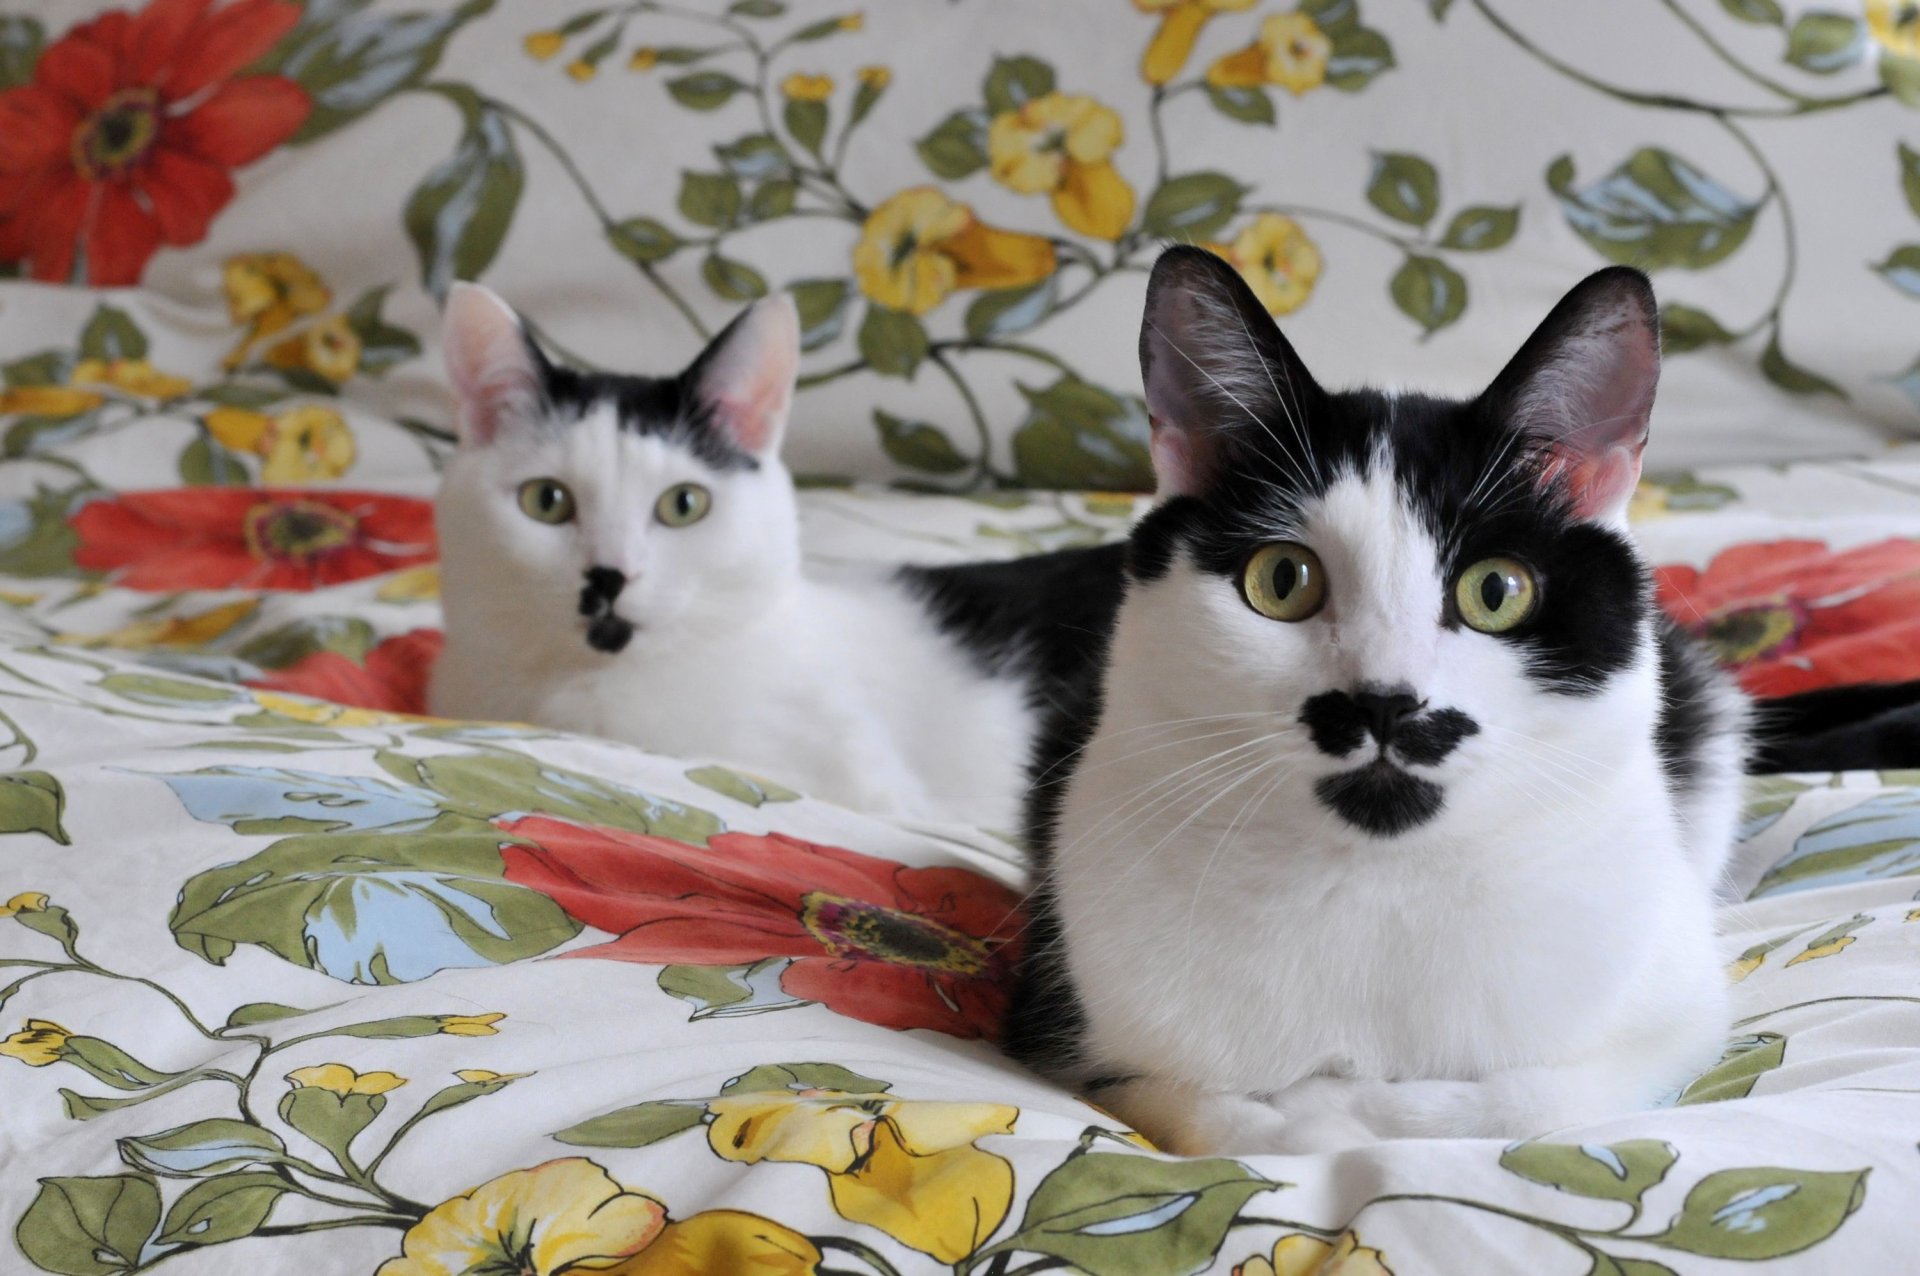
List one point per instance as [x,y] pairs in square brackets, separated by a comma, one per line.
[1250,948]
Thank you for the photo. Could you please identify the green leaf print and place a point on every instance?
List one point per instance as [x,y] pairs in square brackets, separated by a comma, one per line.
[202,1148]
[705,90]
[1079,435]
[1013,82]
[1609,1171]
[458,216]
[752,789]
[1825,43]
[1684,328]
[1428,291]
[1790,376]
[915,445]
[33,802]
[957,147]
[21,39]
[1481,228]
[1404,187]
[1745,1061]
[893,342]
[89,1226]
[732,280]
[709,199]
[223,1209]
[728,992]
[1112,1214]
[1761,12]
[639,1126]
[1247,103]
[1909,175]
[1655,210]
[1192,207]
[1763,1213]
[486,786]
[112,334]
[822,304]
[643,239]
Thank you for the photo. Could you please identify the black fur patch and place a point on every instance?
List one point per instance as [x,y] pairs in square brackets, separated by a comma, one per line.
[1858,728]
[1335,723]
[1429,738]
[666,406]
[1379,798]
[1687,714]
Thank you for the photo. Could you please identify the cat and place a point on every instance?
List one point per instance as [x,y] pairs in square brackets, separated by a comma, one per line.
[621,557]
[1394,808]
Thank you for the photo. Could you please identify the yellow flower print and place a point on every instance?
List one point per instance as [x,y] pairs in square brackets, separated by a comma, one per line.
[25,902]
[716,1241]
[305,445]
[807,88]
[1180,23]
[481,1076]
[324,713]
[414,585]
[1834,939]
[38,1044]
[180,633]
[470,1025]
[47,400]
[1303,1255]
[1896,25]
[909,1169]
[1279,262]
[1061,144]
[566,1216]
[542,45]
[919,246]
[338,1078]
[875,77]
[582,70]
[644,58]
[134,376]
[330,348]
[853,21]
[1649,500]
[1292,52]
[269,292]
[299,446]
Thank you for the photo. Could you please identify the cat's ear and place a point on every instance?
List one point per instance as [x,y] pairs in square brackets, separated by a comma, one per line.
[745,378]
[1216,369]
[1581,390]
[493,365]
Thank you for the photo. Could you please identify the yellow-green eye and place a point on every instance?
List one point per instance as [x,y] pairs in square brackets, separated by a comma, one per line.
[1284,581]
[546,500]
[1496,594]
[683,503]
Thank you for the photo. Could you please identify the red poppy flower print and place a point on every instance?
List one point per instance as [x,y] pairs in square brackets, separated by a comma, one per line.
[393,679]
[1790,616]
[245,538]
[870,939]
[126,135]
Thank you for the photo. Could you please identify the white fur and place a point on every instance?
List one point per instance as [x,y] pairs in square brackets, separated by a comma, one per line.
[1539,953]
[842,688]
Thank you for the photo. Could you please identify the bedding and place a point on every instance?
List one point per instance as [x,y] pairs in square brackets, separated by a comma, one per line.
[292,978]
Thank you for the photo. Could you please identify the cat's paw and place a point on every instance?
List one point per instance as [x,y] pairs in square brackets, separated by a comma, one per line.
[1192,1122]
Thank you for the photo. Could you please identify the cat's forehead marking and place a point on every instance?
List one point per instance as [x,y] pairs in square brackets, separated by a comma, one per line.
[644,406]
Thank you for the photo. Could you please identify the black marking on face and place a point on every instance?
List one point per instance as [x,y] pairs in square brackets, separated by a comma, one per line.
[1340,722]
[663,406]
[606,632]
[1380,798]
[1428,739]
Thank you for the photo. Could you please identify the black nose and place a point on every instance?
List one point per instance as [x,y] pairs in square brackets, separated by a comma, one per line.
[1384,711]
[605,582]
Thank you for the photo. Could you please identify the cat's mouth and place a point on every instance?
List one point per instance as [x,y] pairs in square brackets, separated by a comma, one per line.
[1380,798]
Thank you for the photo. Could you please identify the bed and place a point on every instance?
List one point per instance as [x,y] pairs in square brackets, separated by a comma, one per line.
[295,978]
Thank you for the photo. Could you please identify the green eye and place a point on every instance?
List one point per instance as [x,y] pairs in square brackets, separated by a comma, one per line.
[682,504]
[1497,594]
[546,500]
[1284,581]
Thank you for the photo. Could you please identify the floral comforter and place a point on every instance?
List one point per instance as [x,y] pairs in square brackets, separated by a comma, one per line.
[292,980]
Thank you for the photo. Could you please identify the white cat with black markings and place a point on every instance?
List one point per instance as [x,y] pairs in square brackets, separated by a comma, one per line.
[621,556]
[1398,808]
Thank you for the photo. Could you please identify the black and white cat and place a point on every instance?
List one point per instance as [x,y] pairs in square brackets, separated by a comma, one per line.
[621,557]
[1397,809]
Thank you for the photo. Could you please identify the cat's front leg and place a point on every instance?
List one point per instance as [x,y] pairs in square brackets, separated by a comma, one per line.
[1194,1121]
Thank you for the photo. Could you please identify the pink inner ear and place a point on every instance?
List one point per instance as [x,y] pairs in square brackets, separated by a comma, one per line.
[1599,482]
[487,361]
[1174,462]
[752,419]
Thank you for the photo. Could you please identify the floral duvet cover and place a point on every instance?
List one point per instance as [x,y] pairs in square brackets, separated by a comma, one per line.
[294,980]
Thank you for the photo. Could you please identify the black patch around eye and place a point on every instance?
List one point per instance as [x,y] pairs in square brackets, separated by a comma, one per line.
[1380,798]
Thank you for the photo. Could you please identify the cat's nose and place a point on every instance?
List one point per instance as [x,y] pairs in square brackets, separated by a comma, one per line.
[1385,710]
[605,582]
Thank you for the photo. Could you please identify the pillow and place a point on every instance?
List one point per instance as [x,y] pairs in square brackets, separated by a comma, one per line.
[963,198]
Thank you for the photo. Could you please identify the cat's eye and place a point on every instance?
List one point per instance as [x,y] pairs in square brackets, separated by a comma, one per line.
[1284,581]
[1497,594]
[683,503]
[546,500]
